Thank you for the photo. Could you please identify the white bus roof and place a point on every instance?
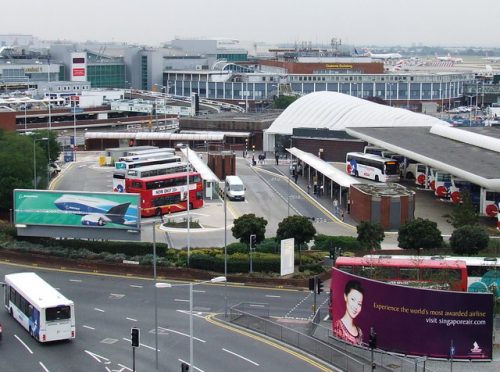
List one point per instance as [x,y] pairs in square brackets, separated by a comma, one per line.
[159,166]
[469,261]
[36,290]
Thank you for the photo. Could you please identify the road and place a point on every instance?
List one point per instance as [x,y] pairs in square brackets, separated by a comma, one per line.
[269,194]
[107,307]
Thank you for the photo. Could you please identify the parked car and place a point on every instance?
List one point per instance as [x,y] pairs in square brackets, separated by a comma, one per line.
[54,167]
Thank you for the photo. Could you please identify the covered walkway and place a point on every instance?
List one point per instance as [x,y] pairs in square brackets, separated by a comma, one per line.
[210,180]
[321,176]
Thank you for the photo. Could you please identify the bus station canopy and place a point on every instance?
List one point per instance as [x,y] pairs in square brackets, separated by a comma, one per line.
[336,175]
[156,136]
[471,154]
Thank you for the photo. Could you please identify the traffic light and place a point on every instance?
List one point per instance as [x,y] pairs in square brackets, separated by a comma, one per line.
[184,367]
[372,341]
[253,241]
[319,285]
[135,336]
[312,283]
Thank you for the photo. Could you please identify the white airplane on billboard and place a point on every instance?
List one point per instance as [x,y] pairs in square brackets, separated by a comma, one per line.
[96,211]
[449,58]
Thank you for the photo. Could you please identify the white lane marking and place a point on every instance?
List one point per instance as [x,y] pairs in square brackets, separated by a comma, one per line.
[198,291]
[242,357]
[273,296]
[26,346]
[121,365]
[183,334]
[132,319]
[146,346]
[88,327]
[98,357]
[198,314]
[75,280]
[256,305]
[179,300]
[96,309]
[194,367]
[326,317]
[135,286]
[44,368]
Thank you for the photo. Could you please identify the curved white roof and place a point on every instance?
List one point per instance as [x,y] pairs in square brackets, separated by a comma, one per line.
[336,111]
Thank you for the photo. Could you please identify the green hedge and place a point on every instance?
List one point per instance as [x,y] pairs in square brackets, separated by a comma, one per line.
[236,263]
[347,243]
[98,246]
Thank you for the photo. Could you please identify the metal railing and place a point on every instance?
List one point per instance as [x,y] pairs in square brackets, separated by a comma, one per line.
[256,317]
[317,340]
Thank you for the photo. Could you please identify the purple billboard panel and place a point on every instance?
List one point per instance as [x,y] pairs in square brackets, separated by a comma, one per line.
[410,320]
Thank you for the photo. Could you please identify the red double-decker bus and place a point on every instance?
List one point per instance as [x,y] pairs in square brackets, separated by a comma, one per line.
[167,193]
[416,272]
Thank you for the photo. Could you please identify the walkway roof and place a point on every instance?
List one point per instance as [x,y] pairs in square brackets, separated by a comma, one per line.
[156,136]
[336,175]
[200,166]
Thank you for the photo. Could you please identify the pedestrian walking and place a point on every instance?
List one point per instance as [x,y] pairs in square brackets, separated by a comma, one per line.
[308,188]
[335,206]
[295,177]
[277,158]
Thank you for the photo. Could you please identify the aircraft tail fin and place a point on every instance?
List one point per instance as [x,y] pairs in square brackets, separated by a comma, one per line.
[116,214]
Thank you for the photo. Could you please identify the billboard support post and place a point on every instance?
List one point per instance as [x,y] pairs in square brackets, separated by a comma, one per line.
[452,352]
[315,291]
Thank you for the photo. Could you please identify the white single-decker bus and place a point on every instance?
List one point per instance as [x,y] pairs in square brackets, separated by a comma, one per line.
[40,308]
[373,167]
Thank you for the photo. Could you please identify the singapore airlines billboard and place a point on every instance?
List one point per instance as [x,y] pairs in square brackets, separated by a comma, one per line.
[412,321]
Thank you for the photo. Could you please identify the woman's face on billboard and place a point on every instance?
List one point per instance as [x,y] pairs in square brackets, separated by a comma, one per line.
[354,301]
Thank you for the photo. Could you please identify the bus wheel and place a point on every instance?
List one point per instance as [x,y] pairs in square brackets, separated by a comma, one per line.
[190,206]
[11,313]
[376,178]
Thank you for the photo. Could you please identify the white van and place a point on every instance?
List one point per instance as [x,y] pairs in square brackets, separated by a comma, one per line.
[234,188]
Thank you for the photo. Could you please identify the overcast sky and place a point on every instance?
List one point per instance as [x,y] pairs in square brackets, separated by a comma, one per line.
[356,22]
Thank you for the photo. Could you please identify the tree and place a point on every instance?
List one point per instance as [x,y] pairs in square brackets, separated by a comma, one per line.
[282,102]
[464,212]
[419,234]
[469,240]
[16,157]
[370,235]
[298,227]
[247,225]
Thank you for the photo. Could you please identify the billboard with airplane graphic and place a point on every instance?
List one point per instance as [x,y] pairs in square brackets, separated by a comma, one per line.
[77,209]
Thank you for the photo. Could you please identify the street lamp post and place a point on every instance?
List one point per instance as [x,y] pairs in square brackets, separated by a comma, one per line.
[35,183]
[187,204]
[74,127]
[225,249]
[218,279]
